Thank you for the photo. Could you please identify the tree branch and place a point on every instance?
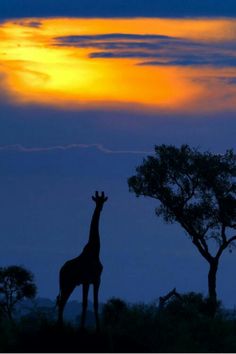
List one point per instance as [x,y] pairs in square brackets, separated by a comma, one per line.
[204,253]
[223,235]
[204,244]
[224,246]
[199,242]
[231,239]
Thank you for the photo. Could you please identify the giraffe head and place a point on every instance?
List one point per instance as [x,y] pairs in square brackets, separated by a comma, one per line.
[99,199]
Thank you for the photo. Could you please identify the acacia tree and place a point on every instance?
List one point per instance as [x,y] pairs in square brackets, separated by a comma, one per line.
[16,283]
[198,191]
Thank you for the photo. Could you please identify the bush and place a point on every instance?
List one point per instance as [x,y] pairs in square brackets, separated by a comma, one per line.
[181,326]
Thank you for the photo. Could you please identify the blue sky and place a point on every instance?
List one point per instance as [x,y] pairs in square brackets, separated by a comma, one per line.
[117,8]
[46,199]
[46,190]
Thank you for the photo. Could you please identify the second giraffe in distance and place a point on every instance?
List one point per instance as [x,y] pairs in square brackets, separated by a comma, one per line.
[85,269]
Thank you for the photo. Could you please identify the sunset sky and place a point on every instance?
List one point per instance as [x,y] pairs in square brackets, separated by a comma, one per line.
[87,89]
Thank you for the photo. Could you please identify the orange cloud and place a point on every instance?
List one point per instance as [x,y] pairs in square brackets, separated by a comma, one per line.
[38,68]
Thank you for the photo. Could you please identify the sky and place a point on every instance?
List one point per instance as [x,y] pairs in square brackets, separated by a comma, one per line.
[87,90]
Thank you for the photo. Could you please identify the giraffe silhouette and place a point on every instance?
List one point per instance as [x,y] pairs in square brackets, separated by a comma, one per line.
[85,269]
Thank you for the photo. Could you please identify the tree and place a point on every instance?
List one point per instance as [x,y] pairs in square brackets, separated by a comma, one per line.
[16,283]
[198,191]
[113,311]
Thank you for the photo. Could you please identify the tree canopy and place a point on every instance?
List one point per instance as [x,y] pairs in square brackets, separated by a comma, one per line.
[197,190]
[16,283]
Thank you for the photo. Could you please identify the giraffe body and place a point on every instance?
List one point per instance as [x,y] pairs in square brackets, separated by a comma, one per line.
[79,270]
[85,270]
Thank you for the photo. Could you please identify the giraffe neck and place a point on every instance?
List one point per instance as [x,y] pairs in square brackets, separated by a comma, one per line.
[94,238]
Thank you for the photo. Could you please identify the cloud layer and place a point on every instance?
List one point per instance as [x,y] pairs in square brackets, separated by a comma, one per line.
[155,49]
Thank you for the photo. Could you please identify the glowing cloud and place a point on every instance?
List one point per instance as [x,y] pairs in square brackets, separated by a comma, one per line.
[151,63]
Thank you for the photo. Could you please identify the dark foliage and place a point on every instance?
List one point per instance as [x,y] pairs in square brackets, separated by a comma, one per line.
[16,284]
[182,325]
[196,190]
[113,311]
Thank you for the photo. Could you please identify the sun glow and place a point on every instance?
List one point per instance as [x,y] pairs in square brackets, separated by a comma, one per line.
[103,62]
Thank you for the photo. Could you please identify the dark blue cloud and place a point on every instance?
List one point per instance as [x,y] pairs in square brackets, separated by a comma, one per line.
[78,40]
[231,80]
[117,8]
[34,24]
[122,54]
[216,61]
[117,41]
[156,49]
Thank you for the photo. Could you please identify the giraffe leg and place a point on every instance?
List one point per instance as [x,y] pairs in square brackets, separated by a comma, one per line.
[95,304]
[62,300]
[84,305]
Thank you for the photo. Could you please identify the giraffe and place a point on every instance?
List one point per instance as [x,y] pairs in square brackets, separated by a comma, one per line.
[85,269]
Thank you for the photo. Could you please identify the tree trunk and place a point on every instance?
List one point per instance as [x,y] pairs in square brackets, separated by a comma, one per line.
[212,287]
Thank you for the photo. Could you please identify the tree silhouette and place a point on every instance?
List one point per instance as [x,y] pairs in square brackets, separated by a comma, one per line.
[113,311]
[197,190]
[16,283]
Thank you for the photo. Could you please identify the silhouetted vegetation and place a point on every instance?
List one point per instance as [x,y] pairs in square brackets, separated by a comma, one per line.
[197,190]
[16,284]
[182,325]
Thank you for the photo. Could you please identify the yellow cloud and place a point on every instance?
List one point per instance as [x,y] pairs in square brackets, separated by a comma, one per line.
[37,70]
